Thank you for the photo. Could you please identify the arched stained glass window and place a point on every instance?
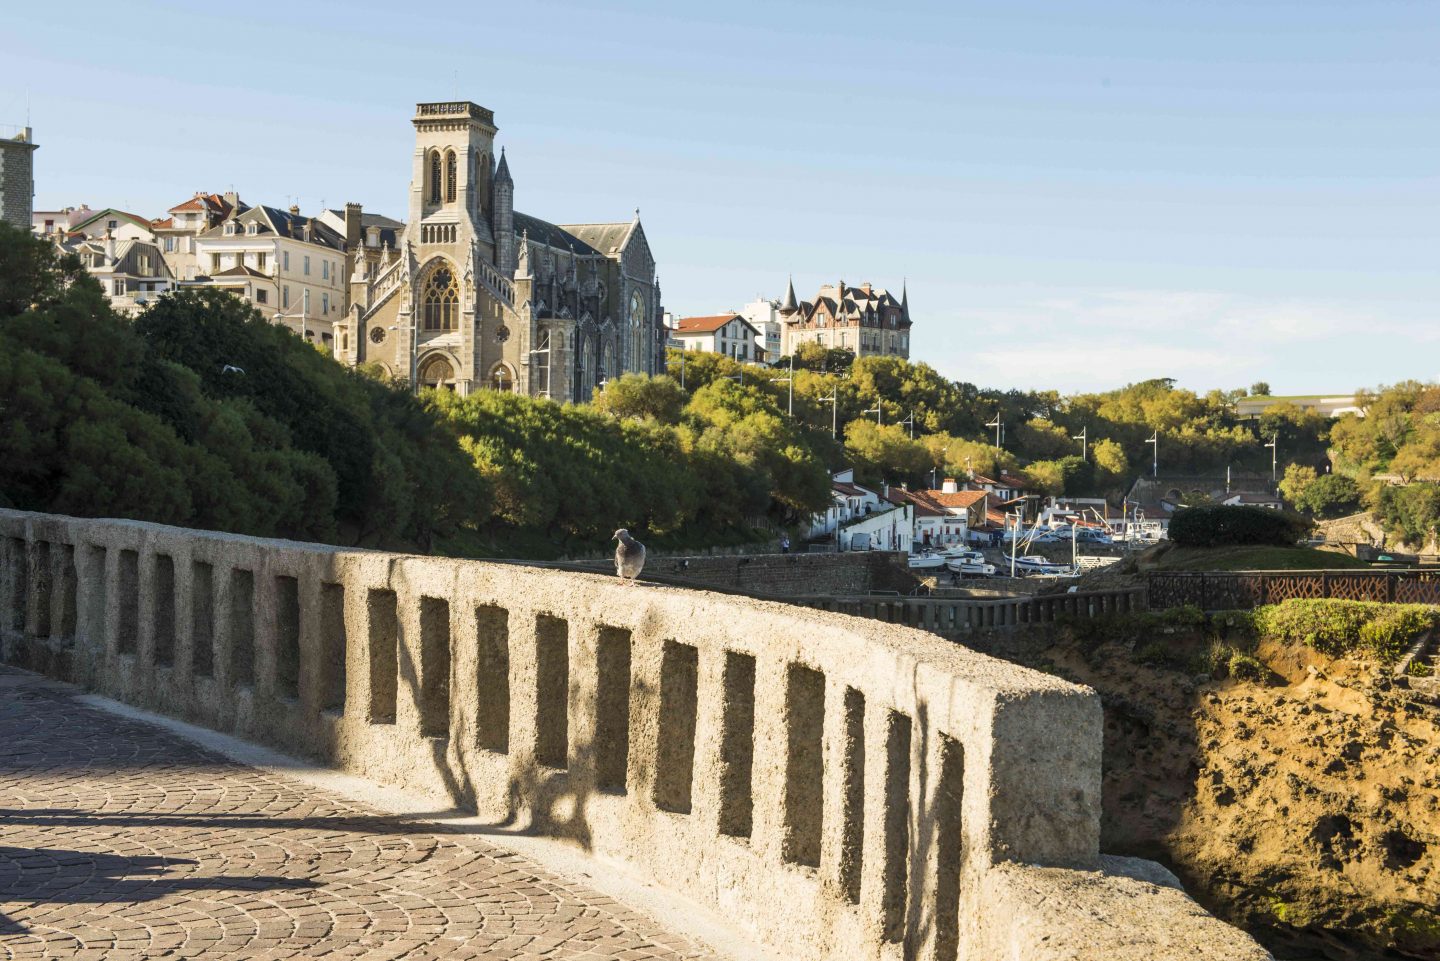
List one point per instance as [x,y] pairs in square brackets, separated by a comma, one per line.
[434,177]
[441,300]
[450,177]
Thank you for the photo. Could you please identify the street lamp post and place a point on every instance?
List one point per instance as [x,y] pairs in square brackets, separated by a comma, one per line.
[546,352]
[879,411]
[996,423]
[790,405]
[1274,454]
[911,421]
[834,399]
[1154,442]
[1084,438]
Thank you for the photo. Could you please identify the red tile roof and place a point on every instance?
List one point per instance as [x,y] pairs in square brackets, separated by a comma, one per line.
[705,325]
[957,499]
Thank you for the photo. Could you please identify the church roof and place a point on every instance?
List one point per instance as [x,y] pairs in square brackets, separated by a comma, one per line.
[606,238]
[544,232]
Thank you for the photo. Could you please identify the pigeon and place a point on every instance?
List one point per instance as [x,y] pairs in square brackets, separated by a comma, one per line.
[629,556]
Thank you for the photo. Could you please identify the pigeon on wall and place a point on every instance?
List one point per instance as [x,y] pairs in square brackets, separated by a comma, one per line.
[629,556]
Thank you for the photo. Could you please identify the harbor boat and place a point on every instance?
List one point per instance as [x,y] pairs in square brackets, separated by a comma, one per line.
[1038,565]
[926,562]
[970,568]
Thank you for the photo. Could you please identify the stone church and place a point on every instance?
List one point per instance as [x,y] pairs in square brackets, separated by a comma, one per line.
[472,294]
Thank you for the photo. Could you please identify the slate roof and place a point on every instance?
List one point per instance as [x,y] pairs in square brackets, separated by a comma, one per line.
[272,220]
[371,220]
[606,238]
[544,232]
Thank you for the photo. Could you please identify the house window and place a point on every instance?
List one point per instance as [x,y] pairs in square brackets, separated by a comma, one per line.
[119,286]
[285,297]
[112,224]
[260,261]
[240,258]
[285,260]
[307,265]
[262,296]
[441,300]
[215,263]
[169,245]
[324,270]
[324,303]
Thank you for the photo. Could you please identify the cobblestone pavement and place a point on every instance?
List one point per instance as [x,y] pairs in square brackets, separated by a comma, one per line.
[119,840]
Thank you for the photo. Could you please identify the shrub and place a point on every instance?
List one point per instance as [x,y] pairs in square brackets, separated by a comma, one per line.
[1217,526]
[1247,667]
[1337,628]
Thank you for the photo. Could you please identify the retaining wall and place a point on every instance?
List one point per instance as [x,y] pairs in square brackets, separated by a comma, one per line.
[844,788]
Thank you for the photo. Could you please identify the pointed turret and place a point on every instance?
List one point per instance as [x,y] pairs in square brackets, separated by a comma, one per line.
[502,172]
[789,306]
[502,214]
[904,299]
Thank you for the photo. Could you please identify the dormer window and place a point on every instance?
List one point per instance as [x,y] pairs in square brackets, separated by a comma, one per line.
[252,228]
[229,228]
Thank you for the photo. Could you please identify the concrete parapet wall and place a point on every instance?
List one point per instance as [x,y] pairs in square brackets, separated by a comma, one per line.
[843,788]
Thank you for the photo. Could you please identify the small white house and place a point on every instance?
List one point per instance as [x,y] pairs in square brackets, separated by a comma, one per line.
[728,334]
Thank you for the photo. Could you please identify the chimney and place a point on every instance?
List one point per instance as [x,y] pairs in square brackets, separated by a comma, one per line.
[109,246]
[948,486]
[294,210]
[352,226]
[866,287]
[232,198]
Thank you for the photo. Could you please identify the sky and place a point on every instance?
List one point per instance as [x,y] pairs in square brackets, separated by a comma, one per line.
[1078,195]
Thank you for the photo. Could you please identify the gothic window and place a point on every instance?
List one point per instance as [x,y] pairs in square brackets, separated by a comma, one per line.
[435,177]
[450,177]
[441,300]
[637,320]
[587,365]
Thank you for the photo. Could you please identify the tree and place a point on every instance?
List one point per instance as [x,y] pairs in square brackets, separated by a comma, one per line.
[1260,389]
[639,397]
[1330,495]
[1296,482]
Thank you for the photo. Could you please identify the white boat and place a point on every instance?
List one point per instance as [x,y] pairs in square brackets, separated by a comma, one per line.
[970,568]
[925,562]
[1038,565]
[962,554]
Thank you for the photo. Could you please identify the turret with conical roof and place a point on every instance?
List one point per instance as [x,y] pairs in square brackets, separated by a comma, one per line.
[502,209]
[790,305]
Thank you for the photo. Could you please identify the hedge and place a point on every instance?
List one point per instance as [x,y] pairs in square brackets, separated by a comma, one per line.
[1220,526]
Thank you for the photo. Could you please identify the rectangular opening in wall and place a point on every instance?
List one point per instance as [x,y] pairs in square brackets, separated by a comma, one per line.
[202,619]
[675,760]
[737,745]
[434,667]
[69,612]
[384,641]
[287,637]
[162,622]
[332,648]
[612,708]
[17,586]
[949,854]
[896,825]
[127,628]
[492,631]
[552,682]
[242,627]
[40,578]
[96,595]
[852,801]
[804,765]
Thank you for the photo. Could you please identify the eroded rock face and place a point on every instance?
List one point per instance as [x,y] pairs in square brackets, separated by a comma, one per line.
[1305,808]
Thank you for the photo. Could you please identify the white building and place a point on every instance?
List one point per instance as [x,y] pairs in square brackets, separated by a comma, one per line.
[131,272]
[764,316]
[56,224]
[290,267]
[728,334]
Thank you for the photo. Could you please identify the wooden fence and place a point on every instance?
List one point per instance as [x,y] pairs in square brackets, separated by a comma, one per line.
[1213,591]
[961,616]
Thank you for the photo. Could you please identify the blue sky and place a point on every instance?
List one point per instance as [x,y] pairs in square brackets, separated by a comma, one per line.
[1080,194]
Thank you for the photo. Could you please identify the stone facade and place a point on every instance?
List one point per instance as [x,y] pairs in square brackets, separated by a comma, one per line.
[841,788]
[865,320]
[17,178]
[476,294]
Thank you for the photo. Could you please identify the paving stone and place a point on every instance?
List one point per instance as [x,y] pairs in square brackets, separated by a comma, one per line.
[119,840]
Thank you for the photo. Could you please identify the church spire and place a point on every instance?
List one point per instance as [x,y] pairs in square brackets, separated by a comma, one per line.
[502,172]
[905,298]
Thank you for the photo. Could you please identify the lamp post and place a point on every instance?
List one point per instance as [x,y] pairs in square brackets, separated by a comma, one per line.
[911,421]
[1274,454]
[879,411]
[1084,438]
[790,405]
[996,423]
[834,399]
[1154,442]
[546,352]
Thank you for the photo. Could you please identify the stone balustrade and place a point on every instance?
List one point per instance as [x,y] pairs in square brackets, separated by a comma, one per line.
[842,788]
